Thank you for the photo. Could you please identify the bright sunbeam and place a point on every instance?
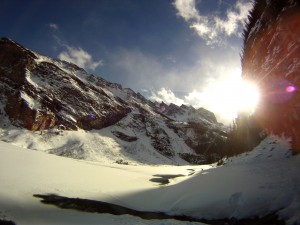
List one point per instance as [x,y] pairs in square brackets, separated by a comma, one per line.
[230,95]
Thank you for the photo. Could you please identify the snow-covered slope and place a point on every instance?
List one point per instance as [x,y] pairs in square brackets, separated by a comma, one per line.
[255,184]
[57,107]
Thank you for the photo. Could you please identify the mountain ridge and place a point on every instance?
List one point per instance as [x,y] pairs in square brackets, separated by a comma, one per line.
[42,94]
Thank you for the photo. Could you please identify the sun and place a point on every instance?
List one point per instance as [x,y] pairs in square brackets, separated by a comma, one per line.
[246,97]
[230,95]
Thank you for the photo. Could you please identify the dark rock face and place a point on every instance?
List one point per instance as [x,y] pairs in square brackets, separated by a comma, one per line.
[13,62]
[124,137]
[193,159]
[14,58]
[208,115]
[6,222]
[271,58]
[159,138]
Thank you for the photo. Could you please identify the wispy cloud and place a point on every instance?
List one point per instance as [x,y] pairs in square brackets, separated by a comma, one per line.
[213,28]
[79,57]
[75,55]
[140,69]
[54,26]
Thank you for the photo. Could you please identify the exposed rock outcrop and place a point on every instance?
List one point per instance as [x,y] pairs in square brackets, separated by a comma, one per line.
[271,58]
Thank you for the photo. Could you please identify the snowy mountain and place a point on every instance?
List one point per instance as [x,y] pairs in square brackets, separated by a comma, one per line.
[271,58]
[55,106]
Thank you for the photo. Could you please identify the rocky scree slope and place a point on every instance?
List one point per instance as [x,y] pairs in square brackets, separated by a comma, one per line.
[41,94]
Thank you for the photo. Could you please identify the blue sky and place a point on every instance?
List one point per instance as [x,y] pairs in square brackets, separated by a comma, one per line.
[171,50]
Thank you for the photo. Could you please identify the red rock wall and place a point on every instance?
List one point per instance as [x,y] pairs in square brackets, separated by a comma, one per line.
[272,60]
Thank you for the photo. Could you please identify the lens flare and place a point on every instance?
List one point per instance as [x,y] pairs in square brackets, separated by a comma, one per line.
[280,91]
[91,116]
[290,89]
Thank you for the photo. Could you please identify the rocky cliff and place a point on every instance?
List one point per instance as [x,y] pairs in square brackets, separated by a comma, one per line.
[271,58]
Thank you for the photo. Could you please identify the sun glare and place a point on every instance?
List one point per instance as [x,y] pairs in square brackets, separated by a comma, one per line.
[228,96]
[246,96]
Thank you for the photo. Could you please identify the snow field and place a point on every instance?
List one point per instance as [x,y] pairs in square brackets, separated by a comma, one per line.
[253,184]
[26,172]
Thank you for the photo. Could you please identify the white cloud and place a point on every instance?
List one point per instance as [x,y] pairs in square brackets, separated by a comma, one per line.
[234,18]
[167,96]
[213,28]
[54,26]
[187,9]
[194,98]
[79,57]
